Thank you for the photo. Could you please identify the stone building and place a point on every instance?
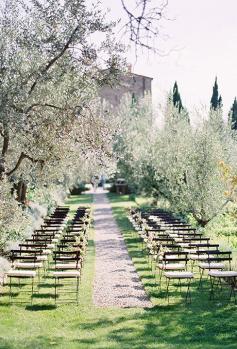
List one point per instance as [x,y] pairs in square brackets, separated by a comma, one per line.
[130,83]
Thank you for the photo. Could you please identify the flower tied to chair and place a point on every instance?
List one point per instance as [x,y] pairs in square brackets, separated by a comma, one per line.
[162,251]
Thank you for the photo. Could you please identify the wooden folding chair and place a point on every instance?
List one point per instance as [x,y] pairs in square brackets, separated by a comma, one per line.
[69,262]
[218,275]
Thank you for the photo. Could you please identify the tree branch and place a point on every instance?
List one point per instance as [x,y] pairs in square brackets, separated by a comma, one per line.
[47,105]
[54,60]
[21,158]
[6,140]
[203,221]
[220,209]
[143,22]
[42,105]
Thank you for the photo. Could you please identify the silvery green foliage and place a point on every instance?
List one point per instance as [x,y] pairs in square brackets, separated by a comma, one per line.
[48,76]
[13,220]
[133,144]
[180,162]
[52,127]
[189,164]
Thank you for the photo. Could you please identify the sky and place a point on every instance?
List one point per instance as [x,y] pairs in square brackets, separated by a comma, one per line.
[200,43]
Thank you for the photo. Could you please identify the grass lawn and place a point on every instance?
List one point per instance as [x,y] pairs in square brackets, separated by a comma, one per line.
[203,324]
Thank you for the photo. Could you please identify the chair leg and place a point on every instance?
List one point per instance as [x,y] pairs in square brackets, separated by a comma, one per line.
[32,290]
[38,275]
[10,288]
[212,288]
[167,290]
[200,281]
[231,292]
[151,263]
[160,278]
[220,284]
[188,293]
[192,265]
[77,290]
[44,268]
[55,290]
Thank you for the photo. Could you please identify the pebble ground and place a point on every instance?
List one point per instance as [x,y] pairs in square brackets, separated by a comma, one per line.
[116,281]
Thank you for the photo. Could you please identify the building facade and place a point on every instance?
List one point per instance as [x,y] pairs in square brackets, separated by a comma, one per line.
[134,84]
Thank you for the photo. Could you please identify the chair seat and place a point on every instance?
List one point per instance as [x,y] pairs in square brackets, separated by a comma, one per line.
[196,257]
[47,251]
[184,244]
[212,265]
[178,239]
[174,235]
[172,266]
[50,246]
[42,258]
[178,275]
[171,257]
[190,250]
[22,273]
[223,273]
[22,265]
[66,274]
[67,266]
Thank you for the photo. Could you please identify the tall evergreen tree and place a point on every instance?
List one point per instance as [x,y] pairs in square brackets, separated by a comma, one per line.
[216,99]
[177,102]
[177,111]
[220,104]
[233,115]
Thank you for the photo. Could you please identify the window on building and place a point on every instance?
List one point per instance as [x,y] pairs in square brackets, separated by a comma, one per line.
[134,98]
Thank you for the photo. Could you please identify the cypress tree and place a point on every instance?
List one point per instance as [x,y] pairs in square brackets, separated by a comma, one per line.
[216,99]
[220,105]
[177,102]
[233,115]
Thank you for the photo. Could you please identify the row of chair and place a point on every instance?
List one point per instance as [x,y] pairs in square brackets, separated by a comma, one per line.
[32,255]
[70,253]
[58,249]
[174,246]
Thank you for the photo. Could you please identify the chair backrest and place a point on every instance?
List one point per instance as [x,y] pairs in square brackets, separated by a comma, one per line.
[200,245]
[175,256]
[37,245]
[67,256]
[190,239]
[40,239]
[38,235]
[19,254]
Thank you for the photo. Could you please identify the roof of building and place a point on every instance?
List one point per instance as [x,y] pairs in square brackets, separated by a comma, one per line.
[131,73]
[145,76]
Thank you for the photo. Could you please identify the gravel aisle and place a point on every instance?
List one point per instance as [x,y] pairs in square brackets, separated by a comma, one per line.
[116,281]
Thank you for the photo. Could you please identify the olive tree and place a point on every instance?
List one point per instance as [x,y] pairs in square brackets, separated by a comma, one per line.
[133,143]
[180,162]
[53,56]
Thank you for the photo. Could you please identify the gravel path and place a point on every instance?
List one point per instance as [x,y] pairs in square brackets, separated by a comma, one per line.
[116,281]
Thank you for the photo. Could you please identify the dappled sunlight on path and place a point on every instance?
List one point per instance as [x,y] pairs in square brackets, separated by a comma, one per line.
[116,281]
